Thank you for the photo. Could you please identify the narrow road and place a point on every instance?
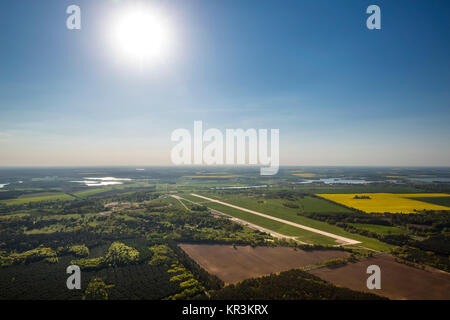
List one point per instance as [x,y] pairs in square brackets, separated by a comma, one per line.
[179,200]
[240,221]
[342,240]
[256,227]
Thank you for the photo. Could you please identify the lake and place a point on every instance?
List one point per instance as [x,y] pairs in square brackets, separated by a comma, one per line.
[339,180]
[102,181]
[430,179]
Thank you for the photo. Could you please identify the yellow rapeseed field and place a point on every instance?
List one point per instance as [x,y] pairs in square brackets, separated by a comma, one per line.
[386,202]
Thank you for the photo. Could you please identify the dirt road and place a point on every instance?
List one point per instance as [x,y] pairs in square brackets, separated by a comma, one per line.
[342,240]
[240,221]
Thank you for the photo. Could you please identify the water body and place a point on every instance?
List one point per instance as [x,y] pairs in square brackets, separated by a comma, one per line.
[91,183]
[109,179]
[430,179]
[102,181]
[339,180]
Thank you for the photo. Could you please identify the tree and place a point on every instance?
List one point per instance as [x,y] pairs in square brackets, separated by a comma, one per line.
[97,289]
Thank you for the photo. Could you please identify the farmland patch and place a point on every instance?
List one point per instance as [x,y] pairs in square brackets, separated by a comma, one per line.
[387,202]
[398,280]
[243,262]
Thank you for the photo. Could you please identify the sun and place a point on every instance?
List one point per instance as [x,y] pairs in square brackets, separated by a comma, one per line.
[142,35]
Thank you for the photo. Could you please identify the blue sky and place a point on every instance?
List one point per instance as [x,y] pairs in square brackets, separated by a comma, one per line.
[339,93]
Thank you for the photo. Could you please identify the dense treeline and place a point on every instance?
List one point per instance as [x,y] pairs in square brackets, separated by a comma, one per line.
[349,217]
[422,257]
[18,241]
[438,243]
[436,187]
[25,232]
[436,221]
[138,196]
[13,194]
[211,282]
[289,285]
[41,280]
[77,206]
[117,255]
[286,194]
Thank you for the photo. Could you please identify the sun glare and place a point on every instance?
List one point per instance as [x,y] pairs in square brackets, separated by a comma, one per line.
[142,35]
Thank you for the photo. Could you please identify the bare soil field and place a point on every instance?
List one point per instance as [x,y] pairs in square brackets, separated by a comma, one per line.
[234,265]
[398,281]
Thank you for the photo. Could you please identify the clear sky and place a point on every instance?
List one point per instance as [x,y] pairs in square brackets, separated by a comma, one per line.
[339,93]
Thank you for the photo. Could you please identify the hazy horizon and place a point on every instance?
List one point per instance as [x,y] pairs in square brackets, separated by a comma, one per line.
[221,166]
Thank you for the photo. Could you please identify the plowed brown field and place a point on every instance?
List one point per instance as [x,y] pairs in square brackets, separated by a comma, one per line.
[234,265]
[398,281]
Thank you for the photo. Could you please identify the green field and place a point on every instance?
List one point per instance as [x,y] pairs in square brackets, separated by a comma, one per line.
[275,208]
[98,190]
[37,198]
[193,198]
[307,204]
[383,230]
[441,201]
[284,229]
[53,196]
[91,192]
